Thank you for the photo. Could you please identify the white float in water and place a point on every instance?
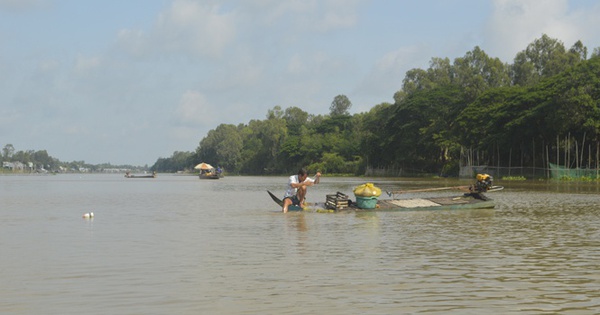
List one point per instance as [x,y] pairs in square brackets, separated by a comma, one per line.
[88,215]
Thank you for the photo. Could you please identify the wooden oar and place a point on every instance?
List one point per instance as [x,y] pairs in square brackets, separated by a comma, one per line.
[280,203]
[277,200]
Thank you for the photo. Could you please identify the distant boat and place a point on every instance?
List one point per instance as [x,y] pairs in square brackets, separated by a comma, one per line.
[128,175]
[207,171]
[209,176]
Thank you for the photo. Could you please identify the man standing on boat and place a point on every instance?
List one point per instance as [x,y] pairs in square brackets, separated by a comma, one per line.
[297,187]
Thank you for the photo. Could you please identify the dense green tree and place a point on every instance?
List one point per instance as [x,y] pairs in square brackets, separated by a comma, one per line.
[340,106]
[414,80]
[262,141]
[440,72]
[543,58]
[221,147]
[291,153]
[42,158]
[23,156]
[575,99]
[579,52]
[476,72]
[375,143]
[178,161]
[8,151]
[275,113]
[295,118]
[476,102]
[402,130]
[510,117]
[420,127]
[333,163]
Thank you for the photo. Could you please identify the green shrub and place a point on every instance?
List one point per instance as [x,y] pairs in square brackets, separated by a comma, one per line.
[514,178]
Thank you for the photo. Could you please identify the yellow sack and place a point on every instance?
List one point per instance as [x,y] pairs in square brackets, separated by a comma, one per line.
[367,190]
[482,177]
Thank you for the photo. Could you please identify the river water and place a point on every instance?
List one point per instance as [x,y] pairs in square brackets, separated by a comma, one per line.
[180,245]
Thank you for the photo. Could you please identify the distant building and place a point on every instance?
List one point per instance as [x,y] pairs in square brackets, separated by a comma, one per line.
[14,166]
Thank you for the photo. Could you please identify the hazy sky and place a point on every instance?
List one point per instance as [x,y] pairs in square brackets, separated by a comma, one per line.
[130,81]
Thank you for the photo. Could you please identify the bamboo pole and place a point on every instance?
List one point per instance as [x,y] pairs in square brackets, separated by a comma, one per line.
[589,156]
[544,160]
[583,148]
[576,155]
[557,152]
[547,163]
[509,160]
[498,149]
[522,148]
[533,140]
[566,153]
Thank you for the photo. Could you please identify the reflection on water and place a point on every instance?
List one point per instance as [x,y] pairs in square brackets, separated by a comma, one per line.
[176,244]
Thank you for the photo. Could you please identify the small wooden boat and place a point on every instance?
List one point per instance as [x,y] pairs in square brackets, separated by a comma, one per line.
[209,176]
[462,202]
[472,198]
[207,171]
[128,175]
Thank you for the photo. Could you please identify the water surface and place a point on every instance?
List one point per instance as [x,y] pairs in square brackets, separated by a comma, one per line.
[180,245]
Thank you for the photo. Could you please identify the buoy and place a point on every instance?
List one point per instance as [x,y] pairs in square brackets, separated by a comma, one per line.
[88,215]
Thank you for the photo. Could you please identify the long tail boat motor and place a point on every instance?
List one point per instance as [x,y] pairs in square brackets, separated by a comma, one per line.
[483,183]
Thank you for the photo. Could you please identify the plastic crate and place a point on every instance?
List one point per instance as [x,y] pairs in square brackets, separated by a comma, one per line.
[366,202]
[338,201]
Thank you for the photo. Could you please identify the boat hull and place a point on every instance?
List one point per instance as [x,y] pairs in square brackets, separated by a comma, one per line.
[463,202]
[203,176]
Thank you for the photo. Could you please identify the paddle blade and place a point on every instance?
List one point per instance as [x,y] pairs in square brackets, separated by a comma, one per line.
[277,200]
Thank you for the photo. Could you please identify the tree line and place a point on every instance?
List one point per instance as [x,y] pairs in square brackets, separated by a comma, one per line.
[525,113]
[41,161]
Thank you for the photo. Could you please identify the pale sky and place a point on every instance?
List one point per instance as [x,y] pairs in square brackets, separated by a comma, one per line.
[130,81]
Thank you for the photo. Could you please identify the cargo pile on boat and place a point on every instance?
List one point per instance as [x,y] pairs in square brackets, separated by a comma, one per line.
[367,196]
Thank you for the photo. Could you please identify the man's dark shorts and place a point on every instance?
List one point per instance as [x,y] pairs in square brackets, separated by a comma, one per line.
[294,199]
